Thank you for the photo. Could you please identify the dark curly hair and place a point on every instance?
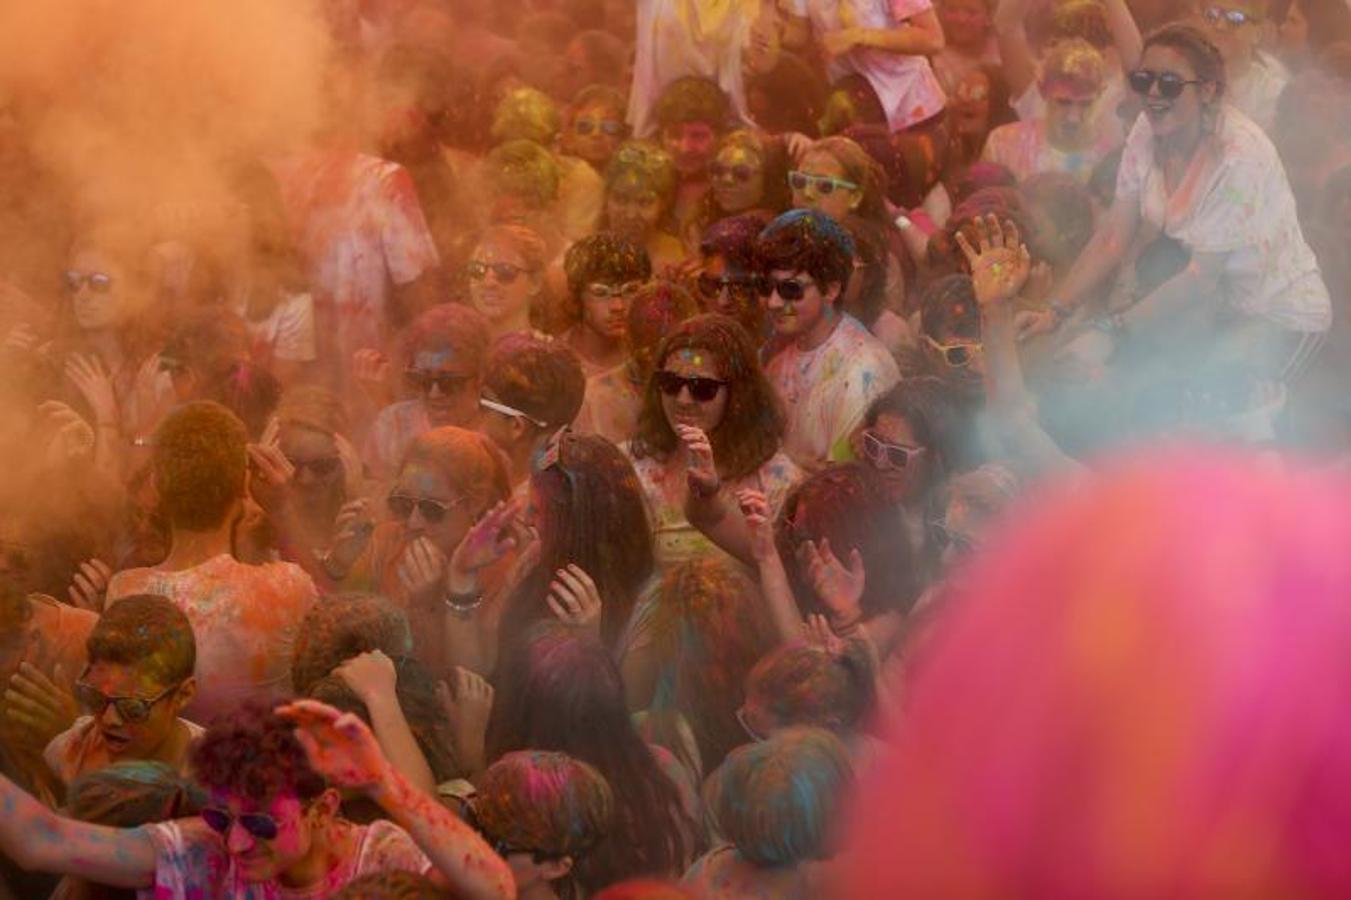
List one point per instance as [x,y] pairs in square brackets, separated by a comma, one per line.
[751,430]
[604,257]
[691,99]
[541,378]
[254,753]
[797,684]
[805,240]
[344,626]
[199,463]
[948,309]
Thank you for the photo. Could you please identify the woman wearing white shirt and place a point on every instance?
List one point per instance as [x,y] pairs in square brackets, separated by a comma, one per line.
[1204,175]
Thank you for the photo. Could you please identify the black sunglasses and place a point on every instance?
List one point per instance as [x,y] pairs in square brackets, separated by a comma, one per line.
[401,507]
[742,286]
[98,282]
[586,127]
[260,826]
[322,467]
[740,173]
[424,381]
[789,289]
[130,709]
[1170,85]
[701,389]
[505,273]
[888,456]
[502,847]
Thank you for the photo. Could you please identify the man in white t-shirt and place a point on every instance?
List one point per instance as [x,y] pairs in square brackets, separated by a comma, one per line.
[830,368]
[888,42]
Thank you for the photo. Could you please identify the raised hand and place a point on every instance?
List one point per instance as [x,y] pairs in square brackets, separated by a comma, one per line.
[370,676]
[574,598]
[354,527]
[88,374]
[468,703]
[90,585]
[999,263]
[817,632]
[275,472]
[73,438]
[38,707]
[759,520]
[837,586]
[700,469]
[422,569]
[21,339]
[492,537]
[339,745]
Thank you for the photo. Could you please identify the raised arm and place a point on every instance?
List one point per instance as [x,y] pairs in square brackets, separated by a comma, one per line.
[42,841]
[1020,64]
[373,678]
[344,750]
[920,35]
[1125,33]
[774,586]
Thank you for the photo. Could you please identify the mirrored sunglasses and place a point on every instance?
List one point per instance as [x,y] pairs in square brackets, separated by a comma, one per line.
[505,273]
[98,282]
[401,507]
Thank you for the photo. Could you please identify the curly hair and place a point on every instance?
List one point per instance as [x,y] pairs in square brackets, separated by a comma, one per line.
[253,753]
[752,427]
[524,169]
[804,240]
[604,257]
[453,327]
[200,462]
[656,310]
[797,684]
[344,626]
[691,99]
[948,309]
[145,630]
[642,167]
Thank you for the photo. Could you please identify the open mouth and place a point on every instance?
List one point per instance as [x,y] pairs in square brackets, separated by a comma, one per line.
[116,743]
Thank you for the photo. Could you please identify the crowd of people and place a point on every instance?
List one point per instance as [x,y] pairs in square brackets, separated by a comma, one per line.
[670,449]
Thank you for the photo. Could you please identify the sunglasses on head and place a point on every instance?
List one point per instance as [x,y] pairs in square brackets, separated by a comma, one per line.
[260,826]
[821,185]
[498,406]
[586,127]
[1170,84]
[702,390]
[130,709]
[401,507]
[447,383]
[884,455]
[1234,18]
[98,282]
[320,467]
[743,286]
[958,356]
[790,289]
[746,726]
[611,291]
[505,273]
[740,173]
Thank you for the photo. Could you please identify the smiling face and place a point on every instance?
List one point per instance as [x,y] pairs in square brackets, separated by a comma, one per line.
[501,296]
[837,201]
[684,408]
[123,738]
[795,318]
[738,179]
[1169,117]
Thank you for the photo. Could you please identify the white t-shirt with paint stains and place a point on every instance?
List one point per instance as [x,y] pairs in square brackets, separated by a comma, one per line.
[827,390]
[1234,200]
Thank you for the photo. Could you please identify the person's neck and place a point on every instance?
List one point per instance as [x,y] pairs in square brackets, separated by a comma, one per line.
[819,333]
[517,323]
[171,750]
[106,343]
[1181,145]
[192,548]
[596,348]
[330,845]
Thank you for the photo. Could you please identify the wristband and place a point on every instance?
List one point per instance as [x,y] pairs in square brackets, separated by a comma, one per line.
[463,605]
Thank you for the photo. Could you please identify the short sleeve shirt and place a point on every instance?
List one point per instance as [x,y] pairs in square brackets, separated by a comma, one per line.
[1234,200]
[191,864]
[906,85]
[826,391]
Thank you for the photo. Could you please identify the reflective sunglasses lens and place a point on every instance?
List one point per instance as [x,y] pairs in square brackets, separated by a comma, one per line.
[1141,81]
[477,271]
[1170,86]
[132,709]
[432,511]
[73,280]
[100,283]
[90,700]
